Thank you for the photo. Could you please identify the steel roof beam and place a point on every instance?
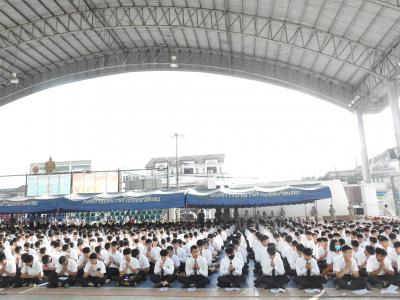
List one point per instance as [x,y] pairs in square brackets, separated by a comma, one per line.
[189,59]
[295,35]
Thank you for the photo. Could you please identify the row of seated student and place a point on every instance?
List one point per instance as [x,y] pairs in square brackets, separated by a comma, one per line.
[353,255]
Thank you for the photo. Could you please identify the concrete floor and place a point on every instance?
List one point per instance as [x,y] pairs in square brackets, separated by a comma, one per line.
[42,293]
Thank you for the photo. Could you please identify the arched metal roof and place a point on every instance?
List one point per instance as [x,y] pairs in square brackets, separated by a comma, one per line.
[342,51]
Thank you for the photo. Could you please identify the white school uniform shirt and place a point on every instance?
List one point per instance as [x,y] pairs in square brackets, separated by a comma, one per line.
[142,249]
[143,261]
[320,252]
[392,256]
[81,260]
[267,267]
[217,246]
[175,260]
[181,253]
[285,249]
[99,265]
[207,255]
[243,251]
[225,264]
[219,241]
[240,257]
[35,269]
[361,258]
[10,268]
[373,265]
[301,267]
[71,267]
[168,267]
[330,258]
[132,265]
[117,258]
[292,256]
[203,267]
[73,254]
[339,264]
[398,262]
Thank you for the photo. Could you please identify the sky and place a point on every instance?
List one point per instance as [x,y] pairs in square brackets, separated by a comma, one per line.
[122,121]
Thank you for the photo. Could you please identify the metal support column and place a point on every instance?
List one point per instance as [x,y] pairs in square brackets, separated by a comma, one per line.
[393,97]
[364,154]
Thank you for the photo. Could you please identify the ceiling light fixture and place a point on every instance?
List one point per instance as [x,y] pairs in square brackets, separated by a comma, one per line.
[13,78]
[173,63]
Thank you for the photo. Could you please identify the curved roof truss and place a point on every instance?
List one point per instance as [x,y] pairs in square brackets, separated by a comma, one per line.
[341,51]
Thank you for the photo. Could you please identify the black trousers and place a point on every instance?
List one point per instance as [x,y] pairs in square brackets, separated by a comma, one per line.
[381,279]
[225,281]
[152,265]
[6,281]
[198,281]
[257,269]
[112,273]
[322,265]
[48,273]
[363,272]
[158,278]
[54,280]
[21,281]
[272,282]
[245,269]
[182,267]
[348,282]
[312,282]
[142,275]
[130,279]
[93,279]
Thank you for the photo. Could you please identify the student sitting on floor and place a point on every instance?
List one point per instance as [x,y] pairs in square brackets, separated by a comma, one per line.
[48,266]
[196,270]
[163,271]
[175,259]
[143,263]
[7,271]
[230,269]
[83,260]
[31,272]
[129,269]
[346,271]
[322,253]
[65,274]
[94,272]
[180,252]
[273,271]
[113,262]
[380,270]
[333,253]
[308,273]
[362,259]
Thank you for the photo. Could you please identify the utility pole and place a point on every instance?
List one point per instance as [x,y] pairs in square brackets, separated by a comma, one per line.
[176,136]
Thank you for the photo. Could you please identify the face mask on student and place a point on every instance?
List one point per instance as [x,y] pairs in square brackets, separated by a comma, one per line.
[231,257]
[337,247]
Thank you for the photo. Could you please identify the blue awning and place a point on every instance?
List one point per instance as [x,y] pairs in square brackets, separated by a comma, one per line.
[95,202]
[257,197]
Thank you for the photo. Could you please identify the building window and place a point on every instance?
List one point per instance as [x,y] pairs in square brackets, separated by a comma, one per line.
[188,171]
[211,170]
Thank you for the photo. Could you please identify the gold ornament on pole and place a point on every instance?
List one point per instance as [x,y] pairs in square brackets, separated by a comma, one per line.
[50,166]
[35,169]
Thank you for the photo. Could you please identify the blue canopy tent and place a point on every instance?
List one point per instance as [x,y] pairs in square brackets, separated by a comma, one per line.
[94,202]
[257,197]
